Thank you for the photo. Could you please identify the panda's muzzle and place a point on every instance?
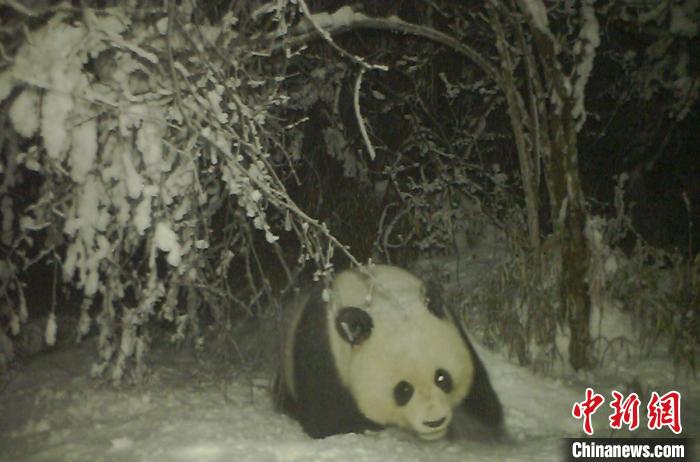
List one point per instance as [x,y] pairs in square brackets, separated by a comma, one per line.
[435,423]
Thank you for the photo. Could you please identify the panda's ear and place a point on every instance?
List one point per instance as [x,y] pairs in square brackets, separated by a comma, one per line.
[434,300]
[354,325]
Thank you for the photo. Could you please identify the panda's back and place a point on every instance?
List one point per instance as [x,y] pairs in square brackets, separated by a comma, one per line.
[387,290]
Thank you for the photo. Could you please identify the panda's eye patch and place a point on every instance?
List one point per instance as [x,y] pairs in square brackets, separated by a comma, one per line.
[403,392]
[443,380]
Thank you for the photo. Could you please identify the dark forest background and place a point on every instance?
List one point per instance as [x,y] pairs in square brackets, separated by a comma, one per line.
[184,165]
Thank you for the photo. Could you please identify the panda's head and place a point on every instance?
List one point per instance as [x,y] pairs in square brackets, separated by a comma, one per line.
[399,352]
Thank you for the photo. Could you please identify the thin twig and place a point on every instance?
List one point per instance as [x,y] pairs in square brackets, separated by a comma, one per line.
[358,114]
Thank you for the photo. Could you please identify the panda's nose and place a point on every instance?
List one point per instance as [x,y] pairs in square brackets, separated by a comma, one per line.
[435,423]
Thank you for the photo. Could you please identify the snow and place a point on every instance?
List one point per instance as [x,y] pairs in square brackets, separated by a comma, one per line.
[149,142]
[24,113]
[87,212]
[50,334]
[213,410]
[47,61]
[55,110]
[52,411]
[538,12]
[588,41]
[166,240]
[83,150]
[341,17]
[142,215]
[134,182]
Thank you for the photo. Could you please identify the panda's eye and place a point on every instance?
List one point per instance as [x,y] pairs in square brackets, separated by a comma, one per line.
[443,380]
[403,392]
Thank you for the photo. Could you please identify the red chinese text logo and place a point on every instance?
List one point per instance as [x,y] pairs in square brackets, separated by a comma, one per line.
[626,411]
[662,411]
[586,408]
[665,411]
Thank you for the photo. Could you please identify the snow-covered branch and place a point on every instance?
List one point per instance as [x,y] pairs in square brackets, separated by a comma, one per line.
[345,20]
[584,50]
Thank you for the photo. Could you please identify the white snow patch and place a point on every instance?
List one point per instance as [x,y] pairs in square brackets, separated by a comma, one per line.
[83,150]
[14,324]
[588,41]
[50,335]
[55,110]
[24,113]
[48,58]
[341,17]
[121,444]
[610,265]
[88,213]
[200,451]
[162,26]
[150,142]
[166,240]
[538,12]
[142,215]
[522,394]
[134,182]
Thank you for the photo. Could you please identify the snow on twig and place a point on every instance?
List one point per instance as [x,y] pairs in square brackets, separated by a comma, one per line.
[588,41]
[323,21]
[538,13]
[358,115]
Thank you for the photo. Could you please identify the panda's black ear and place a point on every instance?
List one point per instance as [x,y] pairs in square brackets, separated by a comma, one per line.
[433,295]
[354,325]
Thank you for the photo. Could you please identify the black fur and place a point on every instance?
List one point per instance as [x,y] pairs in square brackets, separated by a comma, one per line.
[481,403]
[433,293]
[323,406]
[354,325]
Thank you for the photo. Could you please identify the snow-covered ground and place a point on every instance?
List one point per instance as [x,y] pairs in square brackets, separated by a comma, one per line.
[211,410]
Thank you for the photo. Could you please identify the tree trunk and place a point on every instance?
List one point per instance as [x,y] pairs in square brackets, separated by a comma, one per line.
[528,173]
[568,213]
[567,205]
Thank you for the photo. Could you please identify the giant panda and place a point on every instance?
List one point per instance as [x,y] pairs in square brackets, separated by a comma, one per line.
[378,348]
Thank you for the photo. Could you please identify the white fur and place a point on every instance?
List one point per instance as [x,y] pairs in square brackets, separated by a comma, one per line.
[407,342]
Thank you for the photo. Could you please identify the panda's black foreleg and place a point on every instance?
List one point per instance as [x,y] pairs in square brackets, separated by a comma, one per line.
[337,417]
[480,415]
[482,402]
